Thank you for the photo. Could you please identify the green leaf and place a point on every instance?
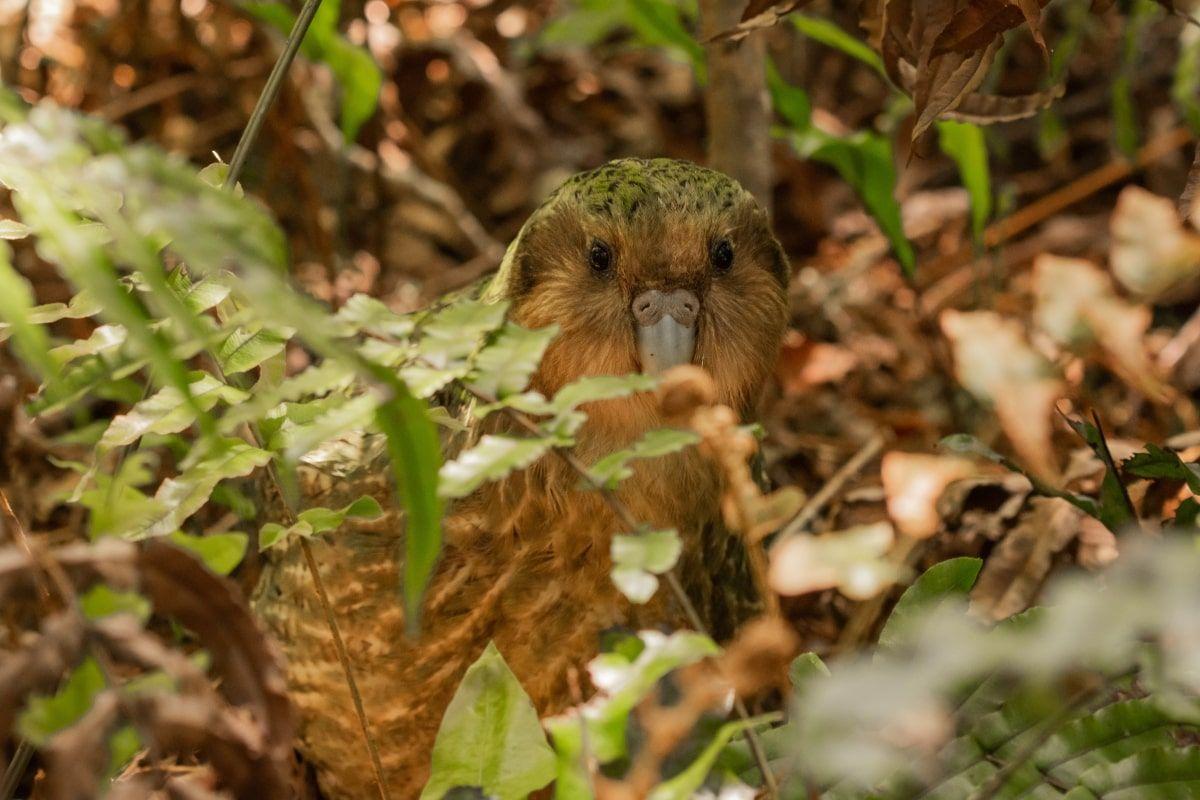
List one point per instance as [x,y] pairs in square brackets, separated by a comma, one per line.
[363,313]
[829,34]
[965,143]
[45,716]
[243,350]
[16,304]
[490,736]
[505,366]
[416,459]
[179,497]
[686,782]
[601,387]
[1116,509]
[102,600]
[220,552]
[356,72]
[166,412]
[1166,773]
[314,521]
[658,23]
[863,159]
[103,339]
[623,683]
[946,579]
[804,668]
[491,459]
[1158,462]
[615,467]
[353,414]
[1187,514]
[452,334]
[639,557]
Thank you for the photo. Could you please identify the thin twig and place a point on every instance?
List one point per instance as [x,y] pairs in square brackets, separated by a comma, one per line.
[626,518]
[249,135]
[15,770]
[834,485]
[270,91]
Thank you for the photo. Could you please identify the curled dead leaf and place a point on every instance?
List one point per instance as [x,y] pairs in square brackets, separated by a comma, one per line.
[994,361]
[1014,573]
[1152,254]
[758,14]
[853,561]
[913,482]
[1077,305]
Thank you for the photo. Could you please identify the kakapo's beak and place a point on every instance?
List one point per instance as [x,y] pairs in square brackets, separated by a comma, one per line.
[666,328]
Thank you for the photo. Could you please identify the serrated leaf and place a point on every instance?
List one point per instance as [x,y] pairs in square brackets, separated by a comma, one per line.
[491,459]
[179,497]
[1158,462]
[220,552]
[452,334]
[369,315]
[101,340]
[594,388]
[354,414]
[947,579]
[1115,509]
[615,467]
[505,366]
[314,521]
[166,411]
[243,350]
[490,736]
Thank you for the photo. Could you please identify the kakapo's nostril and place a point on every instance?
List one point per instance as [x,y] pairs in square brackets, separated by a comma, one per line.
[680,304]
[683,306]
[648,307]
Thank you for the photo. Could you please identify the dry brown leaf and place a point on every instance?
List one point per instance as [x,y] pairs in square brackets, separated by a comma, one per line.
[804,363]
[1097,544]
[1152,254]
[940,53]
[853,560]
[913,483]
[994,361]
[1078,306]
[1017,568]
[981,22]
[758,14]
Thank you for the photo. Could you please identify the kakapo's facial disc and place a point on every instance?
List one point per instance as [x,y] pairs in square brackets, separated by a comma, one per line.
[647,264]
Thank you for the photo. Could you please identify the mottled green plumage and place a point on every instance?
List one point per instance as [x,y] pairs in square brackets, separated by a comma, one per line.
[623,190]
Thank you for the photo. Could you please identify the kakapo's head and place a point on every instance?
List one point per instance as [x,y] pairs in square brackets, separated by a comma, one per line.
[646,264]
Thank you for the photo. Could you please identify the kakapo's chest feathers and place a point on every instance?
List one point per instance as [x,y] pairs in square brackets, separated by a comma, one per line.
[525,560]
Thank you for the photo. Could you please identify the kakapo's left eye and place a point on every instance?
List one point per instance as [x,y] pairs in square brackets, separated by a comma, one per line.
[600,257]
[721,256]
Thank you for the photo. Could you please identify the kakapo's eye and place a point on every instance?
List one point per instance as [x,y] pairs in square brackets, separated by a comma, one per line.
[721,256]
[600,257]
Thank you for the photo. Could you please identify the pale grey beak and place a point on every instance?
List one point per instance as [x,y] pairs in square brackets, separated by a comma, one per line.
[666,328]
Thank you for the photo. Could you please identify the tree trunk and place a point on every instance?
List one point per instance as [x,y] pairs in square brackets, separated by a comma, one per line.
[736,104]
